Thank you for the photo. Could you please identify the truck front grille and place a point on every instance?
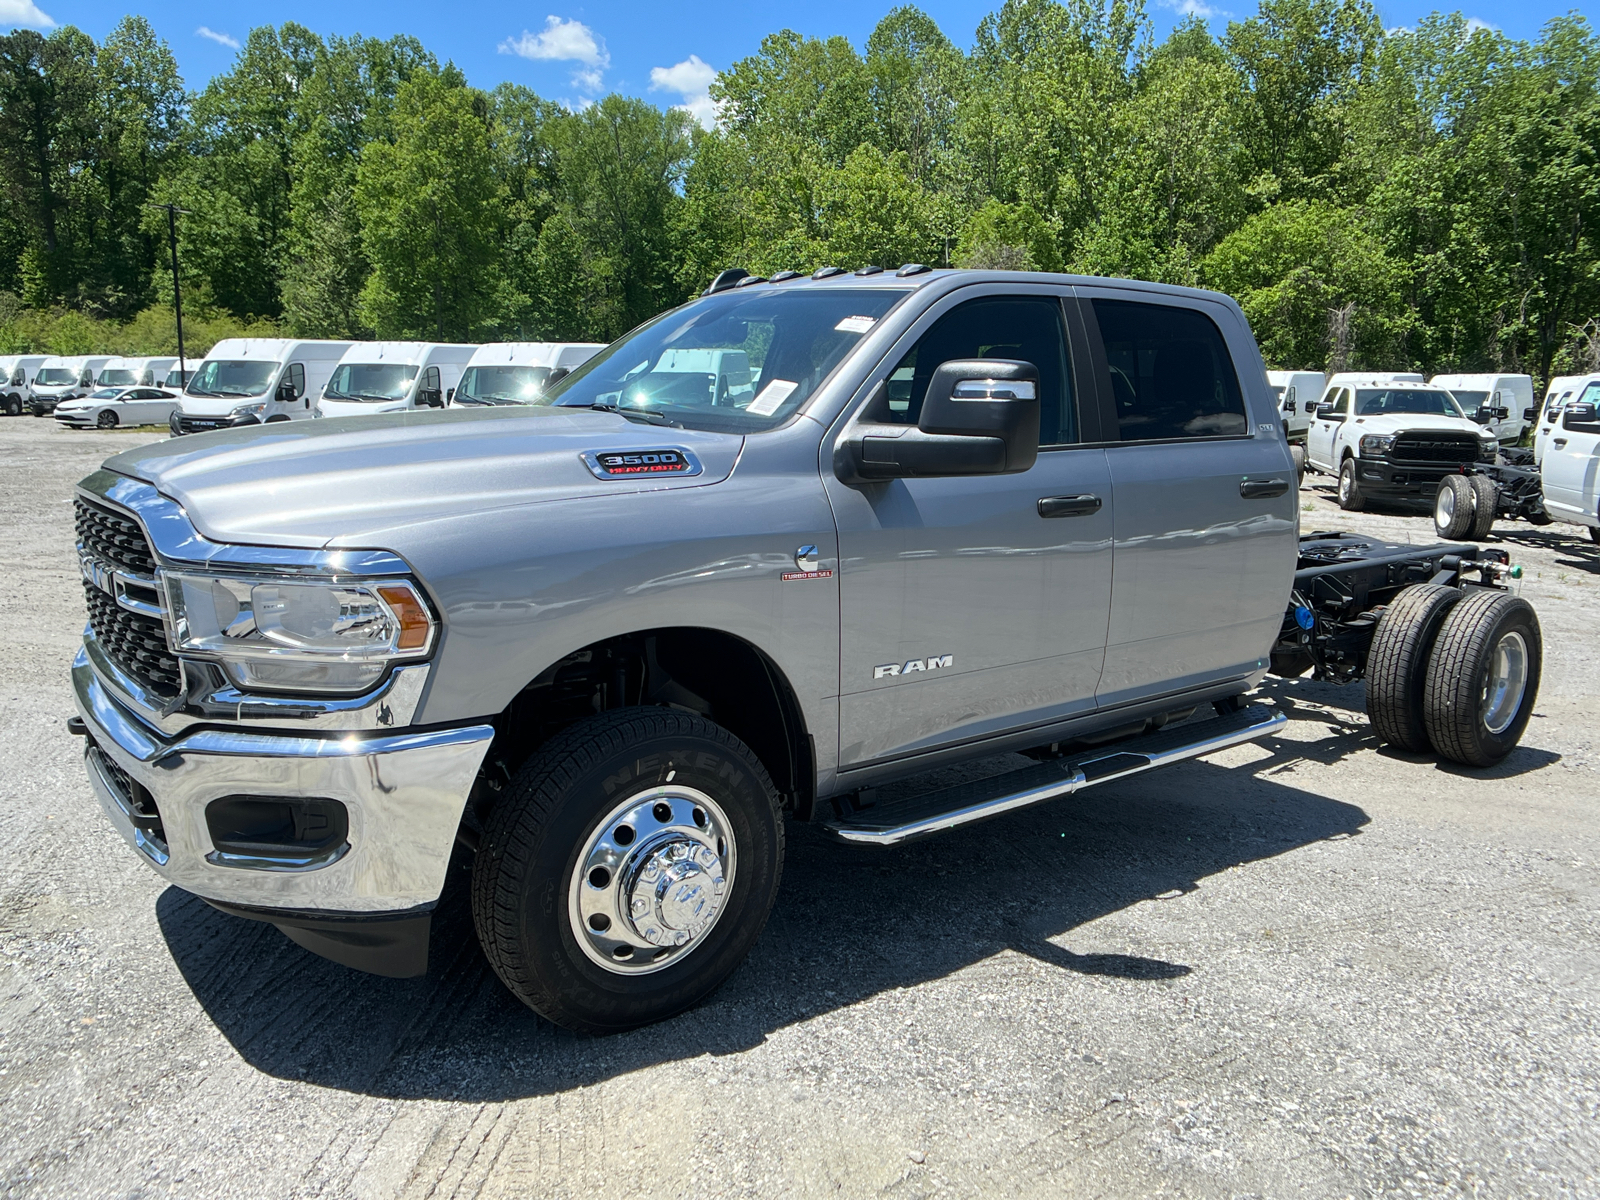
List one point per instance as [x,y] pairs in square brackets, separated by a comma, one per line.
[113,538]
[135,642]
[1435,448]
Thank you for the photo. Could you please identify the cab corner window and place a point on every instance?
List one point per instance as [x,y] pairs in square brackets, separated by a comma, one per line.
[1023,328]
[1171,374]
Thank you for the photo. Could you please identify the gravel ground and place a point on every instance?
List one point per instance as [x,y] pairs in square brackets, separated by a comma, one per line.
[1309,967]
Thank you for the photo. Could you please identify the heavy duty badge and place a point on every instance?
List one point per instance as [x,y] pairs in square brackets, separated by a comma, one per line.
[623,464]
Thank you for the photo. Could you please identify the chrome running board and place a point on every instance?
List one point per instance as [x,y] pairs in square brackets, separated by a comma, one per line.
[918,816]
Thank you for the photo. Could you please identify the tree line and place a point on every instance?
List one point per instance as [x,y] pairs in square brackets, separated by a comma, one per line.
[1422,198]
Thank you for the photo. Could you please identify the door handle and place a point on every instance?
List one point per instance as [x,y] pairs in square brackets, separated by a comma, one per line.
[1558,443]
[1069,506]
[1263,489]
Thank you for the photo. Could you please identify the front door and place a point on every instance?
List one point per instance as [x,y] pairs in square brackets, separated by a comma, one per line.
[1325,429]
[976,605]
[1572,462]
[1206,535]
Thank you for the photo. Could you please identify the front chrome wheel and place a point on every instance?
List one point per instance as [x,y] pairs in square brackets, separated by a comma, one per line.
[1444,508]
[651,880]
[1506,682]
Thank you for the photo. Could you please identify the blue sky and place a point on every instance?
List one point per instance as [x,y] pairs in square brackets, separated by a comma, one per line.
[573,51]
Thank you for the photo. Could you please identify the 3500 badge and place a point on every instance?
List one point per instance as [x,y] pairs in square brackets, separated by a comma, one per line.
[625,464]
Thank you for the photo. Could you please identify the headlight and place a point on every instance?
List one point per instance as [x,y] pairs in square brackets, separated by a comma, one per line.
[292,634]
[249,410]
[1377,443]
[1488,446]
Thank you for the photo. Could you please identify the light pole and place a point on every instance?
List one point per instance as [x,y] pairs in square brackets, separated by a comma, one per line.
[177,297]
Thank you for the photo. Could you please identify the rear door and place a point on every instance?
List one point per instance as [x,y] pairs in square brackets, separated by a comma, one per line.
[1205,525]
[1572,462]
[977,605]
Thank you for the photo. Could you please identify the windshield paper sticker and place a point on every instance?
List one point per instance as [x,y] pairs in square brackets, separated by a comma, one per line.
[856,324]
[622,464]
[774,394]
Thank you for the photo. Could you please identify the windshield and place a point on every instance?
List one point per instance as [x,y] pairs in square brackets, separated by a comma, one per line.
[232,377]
[370,383]
[501,385]
[1411,401]
[740,361]
[56,376]
[1470,401]
[177,378]
[110,378]
[110,393]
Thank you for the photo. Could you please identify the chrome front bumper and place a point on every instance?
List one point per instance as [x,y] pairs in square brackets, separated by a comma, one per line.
[404,793]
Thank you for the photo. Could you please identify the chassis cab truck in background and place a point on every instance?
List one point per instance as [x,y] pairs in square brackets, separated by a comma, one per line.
[613,639]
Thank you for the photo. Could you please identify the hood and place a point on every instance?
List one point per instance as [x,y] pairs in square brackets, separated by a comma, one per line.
[343,481]
[361,408]
[216,406]
[1409,422]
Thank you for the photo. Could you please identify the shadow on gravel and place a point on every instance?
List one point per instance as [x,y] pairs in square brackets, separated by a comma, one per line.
[850,922]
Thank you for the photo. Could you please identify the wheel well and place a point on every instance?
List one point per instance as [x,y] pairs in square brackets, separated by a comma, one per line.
[706,671]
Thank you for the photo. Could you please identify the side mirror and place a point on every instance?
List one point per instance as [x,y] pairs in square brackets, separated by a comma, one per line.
[557,374]
[450,395]
[1581,418]
[979,417]
[1527,414]
[286,392]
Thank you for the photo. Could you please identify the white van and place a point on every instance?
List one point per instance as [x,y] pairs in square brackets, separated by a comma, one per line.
[1477,393]
[518,372]
[1297,393]
[1561,389]
[1571,468]
[59,379]
[135,372]
[381,377]
[16,373]
[255,381]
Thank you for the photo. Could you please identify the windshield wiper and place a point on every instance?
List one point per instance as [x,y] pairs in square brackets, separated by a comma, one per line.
[646,415]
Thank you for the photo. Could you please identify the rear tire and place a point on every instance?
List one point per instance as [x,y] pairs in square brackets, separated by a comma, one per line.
[1485,500]
[562,889]
[1298,455]
[1397,664]
[1452,508]
[1594,534]
[1483,678]
[1350,497]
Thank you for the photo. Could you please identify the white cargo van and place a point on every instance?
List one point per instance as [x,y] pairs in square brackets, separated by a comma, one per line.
[250,381]
[1571,467]
[135,372]
[1488,394]
[59,379]
[380,377]
[518,372]
[1297,393]
[16,373]
[1561,389]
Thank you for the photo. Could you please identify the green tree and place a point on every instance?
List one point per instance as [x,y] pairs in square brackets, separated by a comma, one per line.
[430,207]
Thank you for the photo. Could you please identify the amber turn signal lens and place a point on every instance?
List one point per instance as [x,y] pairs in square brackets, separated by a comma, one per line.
[414,622]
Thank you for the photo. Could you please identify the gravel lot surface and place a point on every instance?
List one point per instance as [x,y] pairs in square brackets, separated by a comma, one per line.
[1308,967]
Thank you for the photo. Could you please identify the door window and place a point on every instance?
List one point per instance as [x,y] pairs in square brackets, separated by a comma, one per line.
[430,391]
[1171,374]
[1026,328]
[295,377]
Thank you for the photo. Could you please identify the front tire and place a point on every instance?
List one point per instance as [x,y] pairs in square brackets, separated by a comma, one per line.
[1350,497]
[13,406]
[596,890]
[1483,678]
[1397,664]
[1452,508]
[107,419]
[1485,502]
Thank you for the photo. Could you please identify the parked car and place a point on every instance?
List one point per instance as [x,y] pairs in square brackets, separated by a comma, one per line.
[1506,399]
[606,641]
[1297,393]
[135,372]
[59,379]
[107,408]
[518,372]
[255,381]
[1392,440]
[381,377]
[1561,389]
[16,373]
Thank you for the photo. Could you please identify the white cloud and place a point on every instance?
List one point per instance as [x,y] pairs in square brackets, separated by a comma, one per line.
[221,39]
[1474,24]
[563,41]
[691,79]
[24,12]
[1195,8]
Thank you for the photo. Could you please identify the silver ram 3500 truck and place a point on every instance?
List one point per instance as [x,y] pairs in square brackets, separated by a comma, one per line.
[793,540]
